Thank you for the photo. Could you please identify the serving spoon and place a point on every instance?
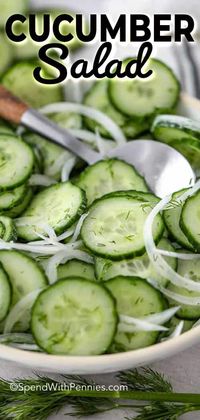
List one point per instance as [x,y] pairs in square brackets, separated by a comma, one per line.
[164,168]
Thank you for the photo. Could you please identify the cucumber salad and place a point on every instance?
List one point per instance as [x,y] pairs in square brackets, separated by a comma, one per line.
[91,261]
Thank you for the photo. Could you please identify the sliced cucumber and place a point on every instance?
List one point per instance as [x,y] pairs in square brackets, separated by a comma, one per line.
[145,97]
[9,230]
[74,316]
[54,156]
[181,133]
[189,269]
[190,220]
[138,267]
[143,197]
[6,52]
[21,207]
[25,276]
[11,7]
[109,175]
[12,198]
[97,97]
[114,227]
[5,293]
[59,206]
[76,268]
[135,298]
[190,148]
[172,221]
[173,127]
[16,162]
[20,81]
[175,321]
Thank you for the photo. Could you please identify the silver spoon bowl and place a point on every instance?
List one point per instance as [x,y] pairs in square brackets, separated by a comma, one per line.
[164,168]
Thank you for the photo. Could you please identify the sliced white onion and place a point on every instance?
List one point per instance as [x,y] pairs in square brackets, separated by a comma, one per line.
[160,264]
[177,331]
[39,249]
[85,135]
[43,180]
[92,113]
[162,317]
[100,143]
[48,230]
[67,168]
[127,328]
[131,324]
[66,234]
[18,311]
[20,130]
[78,227]
[185,300]
[59,162]
[62,257]
[20,338]
[179,255]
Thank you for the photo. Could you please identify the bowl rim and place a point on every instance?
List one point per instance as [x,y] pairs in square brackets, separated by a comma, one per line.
[106,362]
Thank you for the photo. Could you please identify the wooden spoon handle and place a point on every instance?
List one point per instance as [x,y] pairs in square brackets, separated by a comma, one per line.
[11,108]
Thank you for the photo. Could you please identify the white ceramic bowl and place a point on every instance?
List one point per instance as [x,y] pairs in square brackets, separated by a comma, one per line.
[110,362]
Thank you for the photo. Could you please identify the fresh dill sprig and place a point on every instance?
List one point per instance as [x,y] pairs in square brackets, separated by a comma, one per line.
[148,394]
[145,379]
[162,411]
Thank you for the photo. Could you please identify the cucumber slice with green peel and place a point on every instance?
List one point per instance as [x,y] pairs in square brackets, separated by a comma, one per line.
[191,270]
[54,156]
[145,97]
[97,97]
[12,198]
[25,276]
[76,268]
[20,81]
[144,197]
[135,298]
[190,220]
[6,53]
[114,227]
[188,324]
[16,162]
[17,210]
[58,206]
[138,267]
[2,230]
[5,293]
[190,148]
[11,7]
[172,222]
[9,230]
[75,317]
[107,176]
[181,133]
[173,127]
